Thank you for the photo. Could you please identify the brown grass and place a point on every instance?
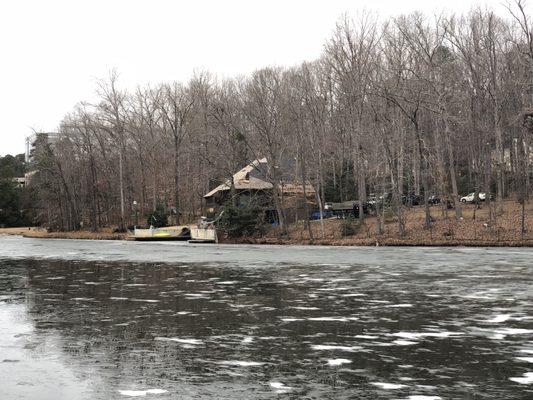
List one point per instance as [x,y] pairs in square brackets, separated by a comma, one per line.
[444,231]
[104,234]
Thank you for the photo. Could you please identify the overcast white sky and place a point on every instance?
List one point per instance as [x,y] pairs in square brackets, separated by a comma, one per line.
[53,51]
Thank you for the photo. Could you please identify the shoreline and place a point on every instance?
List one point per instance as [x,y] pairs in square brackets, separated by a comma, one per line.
[473,230]
[383,243]
[40,233]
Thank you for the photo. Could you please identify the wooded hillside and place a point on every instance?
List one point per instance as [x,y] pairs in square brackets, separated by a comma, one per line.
[414,104]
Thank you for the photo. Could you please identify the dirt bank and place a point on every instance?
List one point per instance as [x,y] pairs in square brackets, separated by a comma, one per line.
[504,230]
[105,234]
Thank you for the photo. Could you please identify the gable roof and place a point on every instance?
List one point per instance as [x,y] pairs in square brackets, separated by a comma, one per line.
[251,177]
[254,177]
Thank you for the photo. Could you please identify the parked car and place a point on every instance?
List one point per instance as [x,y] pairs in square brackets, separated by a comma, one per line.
[469,198]
[367,209]
[370,206]
[325,214]
[434,199]
[350,208]
[385,198]
[412,199]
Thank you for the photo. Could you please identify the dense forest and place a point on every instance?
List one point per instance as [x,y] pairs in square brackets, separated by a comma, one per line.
[415,104]
[15,204]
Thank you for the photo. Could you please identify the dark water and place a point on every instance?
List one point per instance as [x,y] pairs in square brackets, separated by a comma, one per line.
[108,320]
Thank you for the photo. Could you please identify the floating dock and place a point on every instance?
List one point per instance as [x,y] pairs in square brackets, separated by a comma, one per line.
[203,235]
[167,233]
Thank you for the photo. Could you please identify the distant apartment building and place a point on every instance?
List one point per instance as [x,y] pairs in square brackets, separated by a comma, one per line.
[51,137]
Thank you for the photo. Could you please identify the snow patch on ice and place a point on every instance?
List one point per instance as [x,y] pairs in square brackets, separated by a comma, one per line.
[526,359]
[499,318]
[406,305]
[499,334]
[402,342]
[137,393]
[513,331]
[280,387]
[332,319]
[179,340]
[236,363]
[526,379]
[422,397]
[388,386]
[421,335]
[320,347]
[146,300]
[338,361]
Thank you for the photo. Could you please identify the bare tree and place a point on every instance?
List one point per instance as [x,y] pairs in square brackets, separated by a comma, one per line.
[175,106]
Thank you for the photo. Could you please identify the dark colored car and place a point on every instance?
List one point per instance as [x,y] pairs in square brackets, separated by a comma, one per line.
[325,214]
[412,199]
[367,209]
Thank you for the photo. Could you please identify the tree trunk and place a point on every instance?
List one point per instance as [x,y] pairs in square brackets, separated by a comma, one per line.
[303,171]
[176,180]
[277,205]
[499,159]
[453,175]
[416,167]
[121,183]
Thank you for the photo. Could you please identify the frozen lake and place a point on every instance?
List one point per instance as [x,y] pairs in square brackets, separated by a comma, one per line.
[119,320]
